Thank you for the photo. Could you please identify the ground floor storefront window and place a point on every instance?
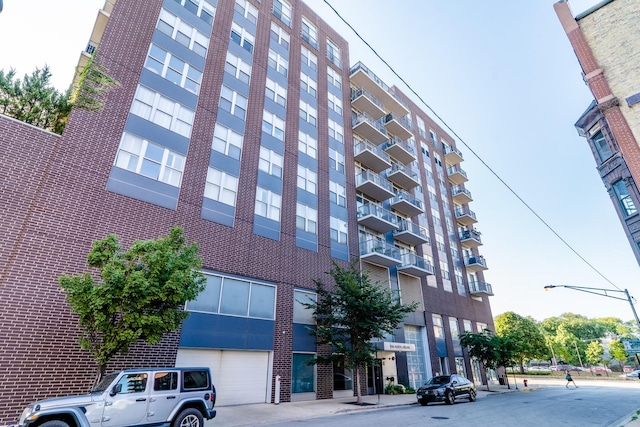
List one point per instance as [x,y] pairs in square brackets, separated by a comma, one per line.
[416,366]
[303,378]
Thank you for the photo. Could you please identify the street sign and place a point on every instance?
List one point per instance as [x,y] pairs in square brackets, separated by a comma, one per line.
[632,346]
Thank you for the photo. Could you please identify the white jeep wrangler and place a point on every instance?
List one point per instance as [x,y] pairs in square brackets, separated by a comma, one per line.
[175,397]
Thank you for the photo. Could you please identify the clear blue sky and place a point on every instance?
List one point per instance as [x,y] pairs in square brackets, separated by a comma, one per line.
[503,75]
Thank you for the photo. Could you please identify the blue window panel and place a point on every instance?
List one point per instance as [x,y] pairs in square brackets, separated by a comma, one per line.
[178,49]
[633,99]
[204,330]
[224,163]
[336,117]
[303,341]
[142,188]
[339,212]
[339,251]
[270,182]
[230,121]
[334,175]
[239,86]
[169,89]
[307,161]
[441,347]
[214,211]
[308,241]
[279,48]
[244,22]
[309,71]
[307,127]
[157,134]
[306,97]
[336,145]
[272,143]
[266,227]
[457,349]
[335,90]
[187,16]
[307,198]
[241,52]
[277,77]
[275,108]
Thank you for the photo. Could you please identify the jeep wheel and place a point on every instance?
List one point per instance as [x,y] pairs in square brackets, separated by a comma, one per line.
[188,418]
[423,402]
[472,396]
[54,423]
[450,398]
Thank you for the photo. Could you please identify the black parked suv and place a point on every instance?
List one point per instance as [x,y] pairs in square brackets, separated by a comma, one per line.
[169,397]
[446,388]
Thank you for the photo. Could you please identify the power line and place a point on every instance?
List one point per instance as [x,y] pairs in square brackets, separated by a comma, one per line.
[494,173]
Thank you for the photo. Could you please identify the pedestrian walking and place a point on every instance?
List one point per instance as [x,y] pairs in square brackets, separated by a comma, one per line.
[569,380]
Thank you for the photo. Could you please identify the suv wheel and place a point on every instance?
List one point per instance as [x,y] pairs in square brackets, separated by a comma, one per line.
[450,398]
[54,423]
[188,418]
[424,402]
[472,396]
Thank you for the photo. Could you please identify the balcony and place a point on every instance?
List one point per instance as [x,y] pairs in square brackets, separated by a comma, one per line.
[414,265]
[480,288]
[461,195]
[377,218]
[362,77]
[457,175]
[364,101]
[475,263]
[398,126]
[465,216]
[452,155]
[411,233]
[470,239]
[371,155]
[378,252]
[407,204]
[369,128]
[374,185]
[402,176]
[399,150]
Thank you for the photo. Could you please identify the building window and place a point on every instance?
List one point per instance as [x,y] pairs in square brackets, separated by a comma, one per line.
[309,59]
[466,324]
[235,297]
[246,9]
[624,198]
[279,36]
[227,141]
[242,37]
[438,328]
[270,162]
[273,125]
[602,148]
[307,179]
[203,9]
[306,218]
[333,53]
[268,204]
[183,33]
[336,160]
[162,111]
[335,103]
[337,194]
[302,314]
[307,144]
[309,32]
[282,10]
[336,131]
[233,103]
[278,62]
[303,374]
[140,156]
[276,93]
[221,187]
[173,69]
[444,270]
[334,78]
[308,113]
[308,85]
[453,328]
[338,230]
[236,67]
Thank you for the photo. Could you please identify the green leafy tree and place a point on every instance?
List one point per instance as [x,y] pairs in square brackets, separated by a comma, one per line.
[350,314]
[594,353]
[525,335]
[491,350]
[139,295]
[618,352]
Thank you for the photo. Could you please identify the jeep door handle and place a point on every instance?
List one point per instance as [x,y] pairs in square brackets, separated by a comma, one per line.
[171,397]
[141,399]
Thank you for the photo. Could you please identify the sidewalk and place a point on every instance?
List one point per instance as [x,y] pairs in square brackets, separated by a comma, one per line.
[264,413]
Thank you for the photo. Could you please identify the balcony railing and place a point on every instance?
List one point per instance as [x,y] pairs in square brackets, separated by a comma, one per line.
[415,265]
[402,176]
[475,263]
[356,93]
[470,238]
[465,216]
[452,154]
[369,128]
[371,155]
[461,194]
[407,204]
[374,185]
[400,150]
[480,288]
[411,233]
[379,252]
[398,126]
[457,175]
[377,218]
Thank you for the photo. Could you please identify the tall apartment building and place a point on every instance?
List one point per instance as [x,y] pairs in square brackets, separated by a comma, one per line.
[607,51]
[242,122]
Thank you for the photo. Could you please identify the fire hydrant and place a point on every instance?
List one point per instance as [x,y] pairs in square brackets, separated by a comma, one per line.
[525,382]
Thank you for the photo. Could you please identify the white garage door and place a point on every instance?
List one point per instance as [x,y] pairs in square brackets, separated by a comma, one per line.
[240,377]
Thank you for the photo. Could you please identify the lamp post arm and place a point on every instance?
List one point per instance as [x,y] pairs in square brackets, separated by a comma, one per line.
[635,314]
[598,291]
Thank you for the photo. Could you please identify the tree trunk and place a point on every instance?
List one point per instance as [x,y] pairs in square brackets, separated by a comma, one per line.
[358,391]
